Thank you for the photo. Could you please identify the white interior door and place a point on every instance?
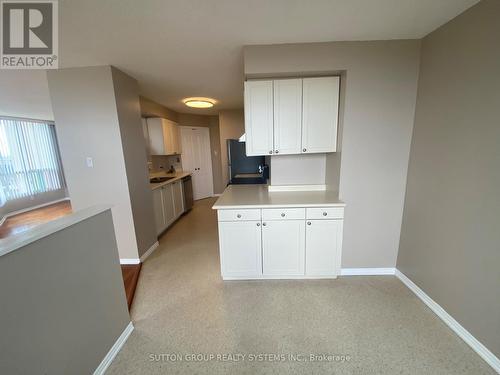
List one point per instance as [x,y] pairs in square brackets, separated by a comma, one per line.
[197,158]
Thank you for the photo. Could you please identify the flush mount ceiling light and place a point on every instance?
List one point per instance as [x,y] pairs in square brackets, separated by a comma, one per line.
[199,102]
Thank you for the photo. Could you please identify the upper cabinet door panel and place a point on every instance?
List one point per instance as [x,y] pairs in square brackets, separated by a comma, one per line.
[287,116]
[320,114]
[259,117]
[163,136]
[155,133]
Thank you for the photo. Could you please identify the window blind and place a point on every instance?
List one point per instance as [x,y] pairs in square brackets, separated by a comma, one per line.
[30,163]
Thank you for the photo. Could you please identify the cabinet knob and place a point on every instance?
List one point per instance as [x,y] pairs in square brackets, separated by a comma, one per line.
[282,214]
[308,223]
[304,149]
[270,151]
[324,214]
[258,224]
[238,216]
[277,151]
[264,224]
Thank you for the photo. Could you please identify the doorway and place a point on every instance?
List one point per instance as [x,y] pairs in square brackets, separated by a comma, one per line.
[197,158]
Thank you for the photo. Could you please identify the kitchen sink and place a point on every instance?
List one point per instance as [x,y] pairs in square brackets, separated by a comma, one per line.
[156,180]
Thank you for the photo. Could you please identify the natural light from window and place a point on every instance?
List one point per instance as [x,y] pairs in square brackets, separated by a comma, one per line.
[30,163]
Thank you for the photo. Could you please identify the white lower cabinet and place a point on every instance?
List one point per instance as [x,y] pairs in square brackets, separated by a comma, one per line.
[178,199]
[168,205]
[280,243]
[158,210]
[240,249]
[323,244]
[283,246]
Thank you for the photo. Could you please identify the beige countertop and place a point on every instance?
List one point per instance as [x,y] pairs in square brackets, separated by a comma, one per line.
[176,177]
[257,196]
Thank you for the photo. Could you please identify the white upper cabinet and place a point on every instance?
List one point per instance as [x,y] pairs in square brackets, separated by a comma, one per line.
[287,116]
[291,116]
[164,137]
[259,117]
[320,110]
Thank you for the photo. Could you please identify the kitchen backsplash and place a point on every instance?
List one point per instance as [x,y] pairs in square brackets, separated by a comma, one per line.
[162,163]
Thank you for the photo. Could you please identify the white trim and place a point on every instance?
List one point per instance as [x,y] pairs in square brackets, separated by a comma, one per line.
[130,261]
[115,349]
[274,188]
[217,195]
[465,335]
[14,213]
[367,271]
[149,252]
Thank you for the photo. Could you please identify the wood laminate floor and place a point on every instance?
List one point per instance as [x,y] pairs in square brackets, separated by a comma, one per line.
[130,273]
[27,220]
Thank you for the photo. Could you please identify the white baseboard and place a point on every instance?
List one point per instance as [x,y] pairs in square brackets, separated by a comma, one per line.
[216,195]
[367,271]
[274,188]
[150,251]
[101,369]
[130,261]
[465,335]
[14,213]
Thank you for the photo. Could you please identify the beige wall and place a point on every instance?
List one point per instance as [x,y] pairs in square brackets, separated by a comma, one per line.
[134,151]
[450,238]
[85,110]
[232,126]
[63,302]
[150,108]
[380,80]
[297,169]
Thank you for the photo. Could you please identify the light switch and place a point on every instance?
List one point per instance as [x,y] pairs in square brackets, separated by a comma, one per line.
[90,162]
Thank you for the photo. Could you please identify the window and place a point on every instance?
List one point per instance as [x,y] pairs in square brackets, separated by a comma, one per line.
[29,159]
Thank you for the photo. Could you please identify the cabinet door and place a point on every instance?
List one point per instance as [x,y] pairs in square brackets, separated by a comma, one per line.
[168,204]
[283,246]
[168,137]
[323,247]
[155,134]
[178,198]
[177,139]
[320,114]
[158,210]
[259,117]
[240,248]
[287,116]
[145,133]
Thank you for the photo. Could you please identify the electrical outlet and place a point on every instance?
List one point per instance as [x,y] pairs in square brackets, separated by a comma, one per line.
[90,162]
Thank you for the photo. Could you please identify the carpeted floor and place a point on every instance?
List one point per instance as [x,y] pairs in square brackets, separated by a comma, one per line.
[186,319]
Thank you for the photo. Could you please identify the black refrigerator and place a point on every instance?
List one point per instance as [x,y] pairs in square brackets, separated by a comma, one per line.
[245,169]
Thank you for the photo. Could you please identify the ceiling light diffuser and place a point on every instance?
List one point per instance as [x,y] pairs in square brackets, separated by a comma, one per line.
[199,102]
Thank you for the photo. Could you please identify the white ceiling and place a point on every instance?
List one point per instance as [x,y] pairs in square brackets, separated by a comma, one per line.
[182,48]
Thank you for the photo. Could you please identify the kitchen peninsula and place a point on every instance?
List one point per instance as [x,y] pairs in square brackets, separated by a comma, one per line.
[279,235]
